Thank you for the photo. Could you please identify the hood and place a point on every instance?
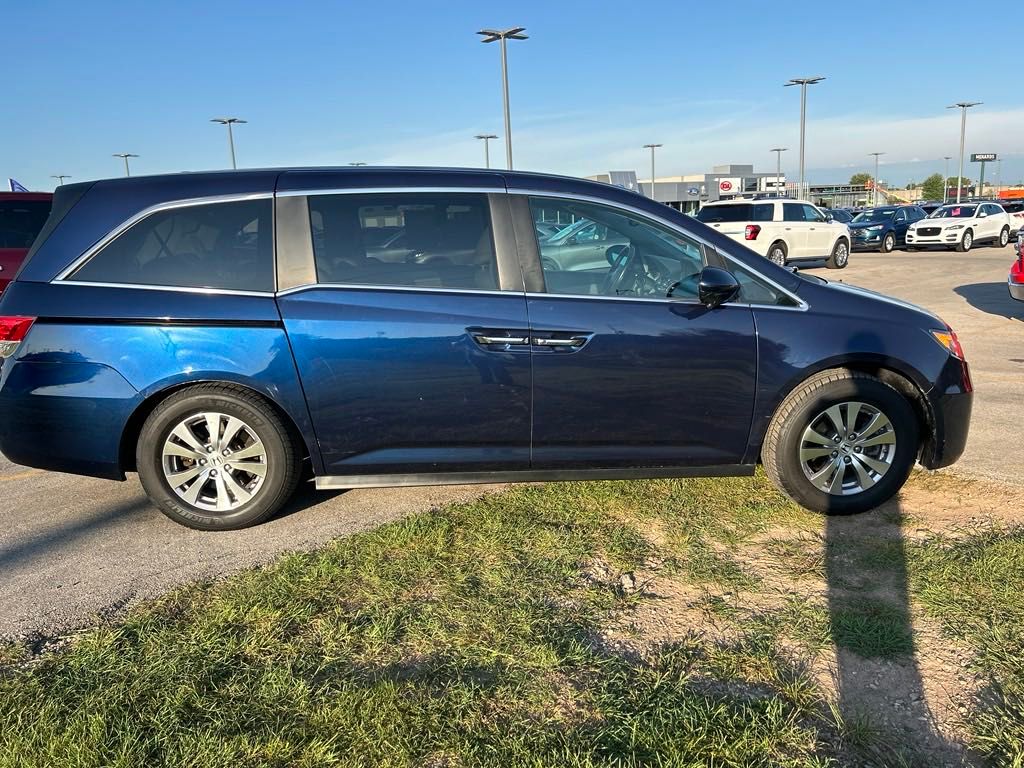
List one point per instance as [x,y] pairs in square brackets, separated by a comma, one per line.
[914,313]
[868,224]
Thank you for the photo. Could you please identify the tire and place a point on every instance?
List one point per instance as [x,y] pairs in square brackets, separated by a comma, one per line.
[840,256]
[888,242]
[965,244]
[173,440]
[778,253]
[805,407]
[1004,237]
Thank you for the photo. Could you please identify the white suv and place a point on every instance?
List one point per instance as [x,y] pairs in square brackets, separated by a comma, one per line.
[781,230]
[960,226]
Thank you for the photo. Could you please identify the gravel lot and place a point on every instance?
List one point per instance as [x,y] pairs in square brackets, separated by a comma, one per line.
[72,548]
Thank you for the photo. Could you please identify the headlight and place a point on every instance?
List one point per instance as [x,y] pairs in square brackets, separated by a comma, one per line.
[955,226]
[876,228]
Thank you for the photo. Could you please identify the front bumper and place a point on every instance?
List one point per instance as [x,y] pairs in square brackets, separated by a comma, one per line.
[865,241]
[950,402]
[1016,290]
[945,239]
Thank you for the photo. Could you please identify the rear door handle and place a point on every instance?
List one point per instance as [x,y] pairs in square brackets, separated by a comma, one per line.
[575,341]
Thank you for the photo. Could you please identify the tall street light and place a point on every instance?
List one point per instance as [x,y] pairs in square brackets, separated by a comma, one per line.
[489,36]
[874,182]
[357,163]
[778,165]
[652,147]
[945,179]
[124,156]
[803,82]
[229,121]
[963,106]
[487,147]
[59,177]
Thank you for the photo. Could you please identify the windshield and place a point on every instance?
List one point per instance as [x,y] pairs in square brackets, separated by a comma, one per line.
[877,214]
[953,212]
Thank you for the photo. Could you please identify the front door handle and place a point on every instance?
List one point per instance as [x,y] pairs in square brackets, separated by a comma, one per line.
[485,340]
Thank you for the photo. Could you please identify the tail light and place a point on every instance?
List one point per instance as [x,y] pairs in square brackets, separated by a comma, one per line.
[12,331]
[751,232]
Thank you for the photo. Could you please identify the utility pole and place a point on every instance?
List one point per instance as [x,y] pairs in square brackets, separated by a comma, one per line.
[652,147]
[501,35]
[874,182]
[59,177]
[778,167]
[124,156]
[803,82]
[229,121]
[945,180]
[963,106]
[487,147]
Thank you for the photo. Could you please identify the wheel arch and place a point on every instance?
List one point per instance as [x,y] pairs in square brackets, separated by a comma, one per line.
[906,382]
[133,426]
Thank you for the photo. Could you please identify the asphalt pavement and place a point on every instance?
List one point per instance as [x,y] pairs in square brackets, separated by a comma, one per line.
[74,548]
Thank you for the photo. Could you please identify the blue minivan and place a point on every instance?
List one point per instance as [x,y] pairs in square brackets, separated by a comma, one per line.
[223,334]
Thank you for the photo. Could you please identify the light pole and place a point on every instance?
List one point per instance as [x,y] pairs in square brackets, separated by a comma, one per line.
[999,175]
[874,181]
[652,147]
[486,137]
[803,82]
[59,177]
[501,35]
[778,166]
[124,156]
[963,106]
[357,163]
[945,179]
[229,121]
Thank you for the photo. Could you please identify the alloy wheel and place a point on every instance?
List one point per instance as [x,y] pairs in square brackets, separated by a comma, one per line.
[968,241]
[889,243]
[214,461]
[847,448]
[777,256]
[1004,238]
[842,254]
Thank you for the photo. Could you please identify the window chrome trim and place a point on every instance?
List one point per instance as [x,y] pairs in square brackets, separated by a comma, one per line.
[391,191]
[176,288]
[802,306]
[415,288]
[135,218]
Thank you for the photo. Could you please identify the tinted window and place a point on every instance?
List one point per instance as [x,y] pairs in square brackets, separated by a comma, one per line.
[812,214]
[214,245]
[792,212]
[432,240]
[20,221]
[754,290]
[636,258]
[714,214]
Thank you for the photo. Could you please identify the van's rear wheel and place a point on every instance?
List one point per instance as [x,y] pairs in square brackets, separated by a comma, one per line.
[777,253]
[843,442]
[217,457]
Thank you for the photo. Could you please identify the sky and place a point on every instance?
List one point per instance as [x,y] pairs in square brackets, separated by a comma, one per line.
[407,82]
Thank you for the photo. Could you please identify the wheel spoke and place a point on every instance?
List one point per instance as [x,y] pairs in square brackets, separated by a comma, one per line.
[240,493]
[835,415]
[192,494]
[183,433]
[852,412]
[807,454]
[252,467]
[875,423]
[177,449]
[178,479]
[223,500]
[836,486]
[213,428]
[865,480]
[823,476]
[232,428]
[812,436]
[256,450]
[882,438]
[880,467]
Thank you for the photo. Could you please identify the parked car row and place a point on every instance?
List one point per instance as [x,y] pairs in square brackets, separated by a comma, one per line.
[961,226]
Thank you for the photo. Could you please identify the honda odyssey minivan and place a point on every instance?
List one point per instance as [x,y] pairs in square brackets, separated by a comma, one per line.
[222,333]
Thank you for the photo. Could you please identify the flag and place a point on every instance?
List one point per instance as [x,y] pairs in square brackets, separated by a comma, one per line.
[16,187]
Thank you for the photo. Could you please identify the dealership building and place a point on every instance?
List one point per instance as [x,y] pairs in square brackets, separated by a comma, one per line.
[687,193]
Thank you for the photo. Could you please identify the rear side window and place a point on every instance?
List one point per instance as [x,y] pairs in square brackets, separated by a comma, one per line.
[21,221]
[227,246]
[425,240]
[715,214]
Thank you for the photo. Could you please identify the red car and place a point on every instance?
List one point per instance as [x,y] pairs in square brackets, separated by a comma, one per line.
[1016,279]
[22,215]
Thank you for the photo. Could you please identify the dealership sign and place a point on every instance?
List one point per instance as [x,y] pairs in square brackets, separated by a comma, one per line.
[725,185]
[983,157]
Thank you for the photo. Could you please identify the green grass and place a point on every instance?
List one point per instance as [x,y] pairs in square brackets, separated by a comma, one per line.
[468,636]
[477,635]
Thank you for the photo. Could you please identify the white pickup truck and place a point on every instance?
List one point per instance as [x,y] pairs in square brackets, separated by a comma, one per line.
[781,230]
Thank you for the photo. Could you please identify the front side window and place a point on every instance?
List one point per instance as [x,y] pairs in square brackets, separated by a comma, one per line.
[227,246]
[812,214]
[792,212]
[636,258]
[411,239]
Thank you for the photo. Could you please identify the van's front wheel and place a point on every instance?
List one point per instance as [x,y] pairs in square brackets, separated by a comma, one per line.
[843,442]
[217,457]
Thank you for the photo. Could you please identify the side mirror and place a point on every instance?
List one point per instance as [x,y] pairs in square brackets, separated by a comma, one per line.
[829,217]
[716,287]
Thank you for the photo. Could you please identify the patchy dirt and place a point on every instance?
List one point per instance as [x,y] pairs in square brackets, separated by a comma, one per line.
[917,699]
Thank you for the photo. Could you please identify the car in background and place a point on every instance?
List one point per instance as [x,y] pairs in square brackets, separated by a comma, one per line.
[1015,282]
[781,230]
[221,333]
[1015,210]
[883,228]
[960,226]
[22,216]
[582,245]
[841,215]
[547,229]
[930,207]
